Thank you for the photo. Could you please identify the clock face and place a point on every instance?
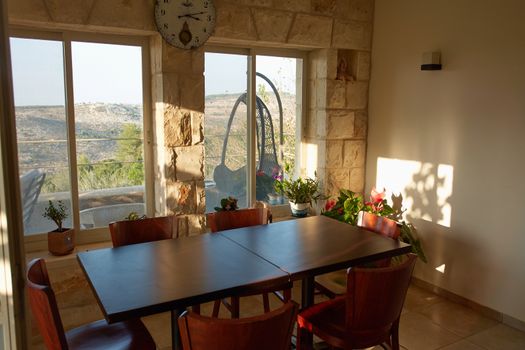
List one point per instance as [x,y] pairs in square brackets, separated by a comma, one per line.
[185,23]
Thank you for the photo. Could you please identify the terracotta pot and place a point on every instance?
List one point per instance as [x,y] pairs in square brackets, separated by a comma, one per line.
[61,242]
[299,210]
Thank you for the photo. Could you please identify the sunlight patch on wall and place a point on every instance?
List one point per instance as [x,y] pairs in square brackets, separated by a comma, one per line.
[310,156]
[425,187]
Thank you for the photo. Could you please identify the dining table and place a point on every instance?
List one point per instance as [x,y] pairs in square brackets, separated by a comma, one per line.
[171,275]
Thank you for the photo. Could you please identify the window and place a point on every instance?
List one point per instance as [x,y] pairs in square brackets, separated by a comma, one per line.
[90,153]
[267,112]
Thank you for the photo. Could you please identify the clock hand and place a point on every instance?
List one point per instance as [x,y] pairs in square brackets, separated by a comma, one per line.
[197,13]
[189,16]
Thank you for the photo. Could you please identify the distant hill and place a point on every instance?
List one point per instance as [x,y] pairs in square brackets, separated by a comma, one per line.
[41,130]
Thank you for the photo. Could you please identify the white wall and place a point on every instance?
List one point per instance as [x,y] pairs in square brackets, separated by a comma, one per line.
[462,129]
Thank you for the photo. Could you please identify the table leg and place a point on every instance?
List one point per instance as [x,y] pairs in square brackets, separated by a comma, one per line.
[175,333]
[307,292]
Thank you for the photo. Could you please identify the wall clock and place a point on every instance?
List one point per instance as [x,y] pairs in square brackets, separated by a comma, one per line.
[185,24]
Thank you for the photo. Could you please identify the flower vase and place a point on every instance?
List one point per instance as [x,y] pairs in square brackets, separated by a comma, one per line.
[299,210]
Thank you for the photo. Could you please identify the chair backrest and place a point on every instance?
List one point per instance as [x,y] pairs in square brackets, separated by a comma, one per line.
[379,224]
[272,330]
[227,220]
[143,230]
[374,300]
[30,187]
[44,306]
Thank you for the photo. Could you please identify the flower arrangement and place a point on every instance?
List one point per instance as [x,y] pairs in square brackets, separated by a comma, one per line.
[56,213]
[228,204]
[348,205]
[299,190]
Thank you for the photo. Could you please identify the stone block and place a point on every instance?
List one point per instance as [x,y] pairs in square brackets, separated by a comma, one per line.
[336,179]
[331,64]
[335,93]
[155,53]
[360,125]
[197,60]
[340,124]
[293,5]
[352,35]
[312,93]
[70,11]
[334,154]
[320,93]
[180,198]
[175,60]
[170,89]
[234,22]
[124,14]
[357,180]
[356,94]
[182,229]
[314,31]
[272,25]
[196,225]
[321,123]
[360,10]
[354,154]
[27,10]
[362,71]
[197,130]
[259,3]
[177,127]
[189,163]
[169,165]
[192,92]
[325,7]
[201,197]
[311,123]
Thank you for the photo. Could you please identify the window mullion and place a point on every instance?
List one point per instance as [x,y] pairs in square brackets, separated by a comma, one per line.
[71,136]
[252,124]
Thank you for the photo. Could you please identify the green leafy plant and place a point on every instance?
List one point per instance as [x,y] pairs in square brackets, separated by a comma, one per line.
[299,190]
[134,216]
[347,206]
[228,204]
[56,213]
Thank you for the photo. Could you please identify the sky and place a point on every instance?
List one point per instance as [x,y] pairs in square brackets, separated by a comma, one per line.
[112,73]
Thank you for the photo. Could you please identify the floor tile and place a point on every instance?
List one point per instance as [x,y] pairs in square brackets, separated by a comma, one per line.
[418,298]
[456,318]
[500,337]
[416,332]
[462,345]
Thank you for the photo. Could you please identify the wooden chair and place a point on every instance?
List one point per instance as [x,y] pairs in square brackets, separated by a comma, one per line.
[367,315]
[329,284]
[128,232]
[143,230]
[97,335]
[226,220]
[271,330]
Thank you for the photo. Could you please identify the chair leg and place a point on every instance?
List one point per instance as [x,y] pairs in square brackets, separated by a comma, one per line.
[266,302]
[287,293]
[395,335]
[216,308]
[235,307]
[304,339]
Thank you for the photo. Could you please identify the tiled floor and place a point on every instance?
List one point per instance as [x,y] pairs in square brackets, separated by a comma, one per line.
[428,322]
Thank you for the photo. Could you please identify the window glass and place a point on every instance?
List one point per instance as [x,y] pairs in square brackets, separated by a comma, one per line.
[107,86]
[41,127]
[225,128]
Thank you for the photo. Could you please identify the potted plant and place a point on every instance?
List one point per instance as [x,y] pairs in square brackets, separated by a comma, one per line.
[348,205]
[300,192]
[62,240]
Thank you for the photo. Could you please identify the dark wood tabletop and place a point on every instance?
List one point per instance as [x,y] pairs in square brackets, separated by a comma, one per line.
[315,245]
[142,279]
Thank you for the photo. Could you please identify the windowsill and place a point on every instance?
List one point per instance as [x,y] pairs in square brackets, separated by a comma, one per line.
[46,255]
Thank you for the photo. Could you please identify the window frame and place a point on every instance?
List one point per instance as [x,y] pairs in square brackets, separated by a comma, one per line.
[251,53]
[38,242]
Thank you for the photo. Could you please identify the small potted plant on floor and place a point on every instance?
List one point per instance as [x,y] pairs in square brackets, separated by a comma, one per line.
[300,192]
[62,240]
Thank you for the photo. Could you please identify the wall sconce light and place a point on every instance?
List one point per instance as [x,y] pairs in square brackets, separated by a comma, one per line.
[431,61]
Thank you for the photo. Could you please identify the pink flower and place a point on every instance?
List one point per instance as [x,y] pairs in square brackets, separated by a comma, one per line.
[330,204]
[377,197]
[260,173]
